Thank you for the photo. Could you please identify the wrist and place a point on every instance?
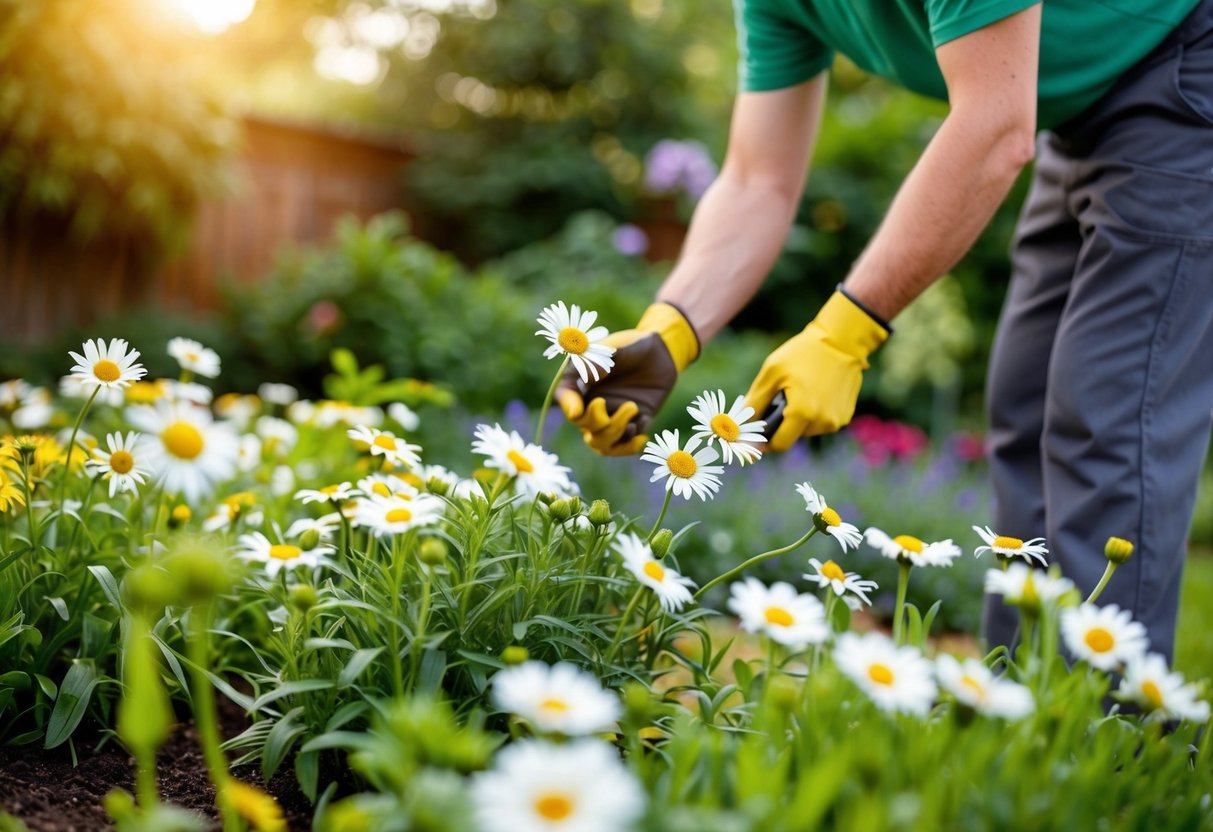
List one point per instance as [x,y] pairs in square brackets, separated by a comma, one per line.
[675,330]
[849,327]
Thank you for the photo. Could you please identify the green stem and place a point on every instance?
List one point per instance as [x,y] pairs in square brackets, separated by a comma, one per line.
[547,401]
[623,623]
[34,529]
[1103,582]
[665,506]
[774,553]
[395,580]
[899,610]
[71,444]
[423,620]
[205,717]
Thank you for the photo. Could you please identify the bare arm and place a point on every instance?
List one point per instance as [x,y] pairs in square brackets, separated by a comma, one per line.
[966,170]
[740,224]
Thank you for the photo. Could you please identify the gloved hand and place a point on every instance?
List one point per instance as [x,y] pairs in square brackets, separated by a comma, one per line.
[615,411]
[819,371]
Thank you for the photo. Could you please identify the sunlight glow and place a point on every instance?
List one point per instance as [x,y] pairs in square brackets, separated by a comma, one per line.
[213,16]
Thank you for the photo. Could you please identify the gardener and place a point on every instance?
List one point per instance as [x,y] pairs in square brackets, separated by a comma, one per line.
[1101,380]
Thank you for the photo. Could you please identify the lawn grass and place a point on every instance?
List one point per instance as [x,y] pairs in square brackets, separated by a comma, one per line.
[1194,643]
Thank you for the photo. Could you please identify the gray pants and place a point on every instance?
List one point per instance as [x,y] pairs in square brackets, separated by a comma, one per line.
[1101,380]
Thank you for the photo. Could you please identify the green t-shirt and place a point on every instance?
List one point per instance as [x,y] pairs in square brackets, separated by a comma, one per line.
[1085,44]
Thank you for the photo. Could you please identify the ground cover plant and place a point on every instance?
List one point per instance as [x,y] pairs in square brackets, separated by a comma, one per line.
[476,643]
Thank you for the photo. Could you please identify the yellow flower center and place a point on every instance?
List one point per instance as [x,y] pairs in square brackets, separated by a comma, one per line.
[830,517]
[1152,694]
[553,806]
[881,674]
[381,489]
[107,370]
[330,490]
[399,515]
[573,340]
[779,616]
[723,426]
[909,543]
[1099,639]
[192,357]
[1001,542]
[182,440]
[413,480]
[521,463]
[121,462]
[1030,596]
[833,571]
[682,464]
[972,684]
[182,514]
[654,570]
[557,705]
[142,392]
[384,441]
[285,551]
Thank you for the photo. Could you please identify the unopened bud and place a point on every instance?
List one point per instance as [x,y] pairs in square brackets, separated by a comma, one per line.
[1118,550]
[515,654]
[303,597]
[561,510]
[600,513]
[661,543]
[310,539]
[432,551]
[149,588]
[437,486]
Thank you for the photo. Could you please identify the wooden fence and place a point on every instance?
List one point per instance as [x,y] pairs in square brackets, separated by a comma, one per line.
[295,181]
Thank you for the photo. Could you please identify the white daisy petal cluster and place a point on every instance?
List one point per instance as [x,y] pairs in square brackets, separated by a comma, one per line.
[830,574]
[187,451]
[386,485]
[324,527]
[779,612]
[193,357]
[121,465]
[572,333]
[827,519]
[729,427]
[1011,547]
[895,678]
[283,395]
[278,435]
[1149,683]
[1104,637]
[1026,586]
[909,549]
[186,391]
[106,365]
[336,493]
[397,515]
[687,471]
[535,470]
[672,588]
[257,548]
[387,445]
[556,699]
[974,685]
[537,786]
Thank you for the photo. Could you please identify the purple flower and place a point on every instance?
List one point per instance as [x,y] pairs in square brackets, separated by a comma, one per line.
[630,240]
[674,167]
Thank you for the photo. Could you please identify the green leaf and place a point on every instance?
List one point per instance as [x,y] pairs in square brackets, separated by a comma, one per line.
[307,772]
[279,741]
[357,663]
[350,740]
[109,585]
[840,616]
[70,705]
[290,689]
[60,607]
[433,668]
[743,673]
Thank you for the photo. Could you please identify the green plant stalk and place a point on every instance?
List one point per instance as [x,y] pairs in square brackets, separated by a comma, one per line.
[395,580]
[899,609]
[623,623]
[665,506]
[35,529]
[547,401]
[1103,582]
[205,715]
[71,445]
[423,620]
[774,553]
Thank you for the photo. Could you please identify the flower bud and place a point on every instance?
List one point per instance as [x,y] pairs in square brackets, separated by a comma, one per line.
[437,486]
[561,510]
[661,543]
[149,588]
[515,654]
[1118,550]
[600,513]
[303,597]
[784,694]
[179,516]
[310,539]
[432,551]
[638,702]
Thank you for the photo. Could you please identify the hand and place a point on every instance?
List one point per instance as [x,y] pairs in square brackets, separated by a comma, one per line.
[819,371]
[615,411]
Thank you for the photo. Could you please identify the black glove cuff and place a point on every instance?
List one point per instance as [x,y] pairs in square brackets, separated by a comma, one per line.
[887,326]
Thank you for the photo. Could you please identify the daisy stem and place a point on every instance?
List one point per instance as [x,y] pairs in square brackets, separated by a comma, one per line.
[899,609]
[34,530]
[547,401]
[623,623]
[204,714]
[1103,582]
[774,553]
[665,506]
[423,619]
[71,443]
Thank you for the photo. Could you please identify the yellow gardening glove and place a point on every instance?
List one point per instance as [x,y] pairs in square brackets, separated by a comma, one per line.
[819,371]
[615,411]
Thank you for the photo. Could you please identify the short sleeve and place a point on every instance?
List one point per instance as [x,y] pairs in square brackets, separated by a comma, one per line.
[951,19]
[775,52]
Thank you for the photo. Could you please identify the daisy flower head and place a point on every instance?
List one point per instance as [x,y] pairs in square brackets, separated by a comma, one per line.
[792,619]
[385,444]
[560,699]
[909,549]
[1011,547]
[687,471]
[730,427]
[386,485]
[827,519]
[535,470]
[895,678]
[193,357]
[239,506]
[572,333]
[323,527]
[336,493]
[248,452]
[671,587]
[283,395]
[1149,683]
[120,465]
[187,451]
[403,415]
[106,365]
[975,686]
[830,574]
[187,391]
[1105,637]
[279,435]
[537,786]
[257,548]
[1025,586]
[397,515]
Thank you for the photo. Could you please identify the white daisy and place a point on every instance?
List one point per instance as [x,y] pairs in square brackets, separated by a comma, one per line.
[895,678]
[336,493]
[827,519]
[332,413]
[535,470]
[249,452]
[385,444]
[119,465]
[1149,683]
[106,365]
[187,452]
[12,392]
[1010,547]
[537,786]
[439,473]
[35,411]
[323,526]
[282,480]
[230,510]
[830,574]
[301,412]
[238,409]
[1106,637]
[792,619]
[386,485]
[193,357]
[257,548]
[671,588]
[282,395]
[71,387]
[396,515]
[561,699]
[403,415]
[731,429]
[279,435]
[909,549]
[686,470]
[574,334]
[972,683]
[1022,585]
[186,391]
